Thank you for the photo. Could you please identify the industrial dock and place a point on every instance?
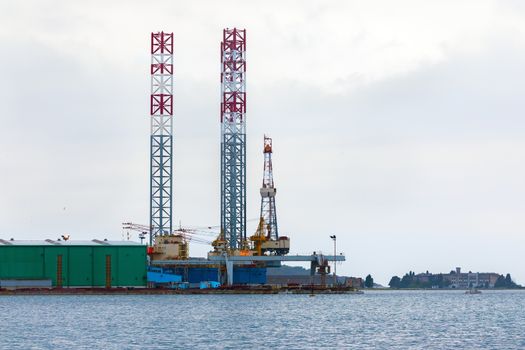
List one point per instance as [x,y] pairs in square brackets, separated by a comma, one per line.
[237,261]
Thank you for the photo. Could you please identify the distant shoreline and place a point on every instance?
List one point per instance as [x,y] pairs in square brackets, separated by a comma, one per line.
[439,289]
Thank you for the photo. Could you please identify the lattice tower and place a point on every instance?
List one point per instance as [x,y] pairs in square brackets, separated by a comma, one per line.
[268,191]
[233,138]
[161,146]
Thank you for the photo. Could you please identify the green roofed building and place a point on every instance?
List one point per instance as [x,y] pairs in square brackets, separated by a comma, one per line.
[60,263]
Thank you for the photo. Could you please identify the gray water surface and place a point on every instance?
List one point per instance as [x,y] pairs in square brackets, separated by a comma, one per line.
[375,320]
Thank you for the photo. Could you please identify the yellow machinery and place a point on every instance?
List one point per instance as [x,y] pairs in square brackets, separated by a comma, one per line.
[259,238]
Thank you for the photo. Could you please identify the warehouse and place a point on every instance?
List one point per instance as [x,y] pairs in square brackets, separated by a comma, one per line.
[59,263]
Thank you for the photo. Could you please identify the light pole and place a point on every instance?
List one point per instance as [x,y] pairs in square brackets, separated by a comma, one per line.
[335,264]
[142,236]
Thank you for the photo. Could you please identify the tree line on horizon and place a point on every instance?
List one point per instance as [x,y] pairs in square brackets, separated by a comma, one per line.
[410,280]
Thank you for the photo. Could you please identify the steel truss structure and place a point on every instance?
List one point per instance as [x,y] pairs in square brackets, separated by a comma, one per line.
[233,138]
[268,191]
[161,147]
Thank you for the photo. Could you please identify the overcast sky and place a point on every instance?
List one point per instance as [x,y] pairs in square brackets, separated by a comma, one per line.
[397,125]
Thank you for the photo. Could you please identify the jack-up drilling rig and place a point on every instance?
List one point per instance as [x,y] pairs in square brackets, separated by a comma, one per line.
[233,253]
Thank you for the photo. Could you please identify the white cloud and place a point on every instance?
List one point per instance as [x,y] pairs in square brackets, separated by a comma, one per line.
[397,126]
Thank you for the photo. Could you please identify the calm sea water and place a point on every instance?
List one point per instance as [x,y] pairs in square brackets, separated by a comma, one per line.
[375,320]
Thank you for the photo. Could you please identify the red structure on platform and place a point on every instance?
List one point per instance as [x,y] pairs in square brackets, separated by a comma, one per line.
[233,49]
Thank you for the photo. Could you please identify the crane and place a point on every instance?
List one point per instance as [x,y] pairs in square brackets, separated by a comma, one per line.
[143,230]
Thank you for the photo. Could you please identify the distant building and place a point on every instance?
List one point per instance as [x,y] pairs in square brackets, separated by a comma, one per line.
[355,282]
[472,279]
[284,280]
[295,275]
[460,280]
